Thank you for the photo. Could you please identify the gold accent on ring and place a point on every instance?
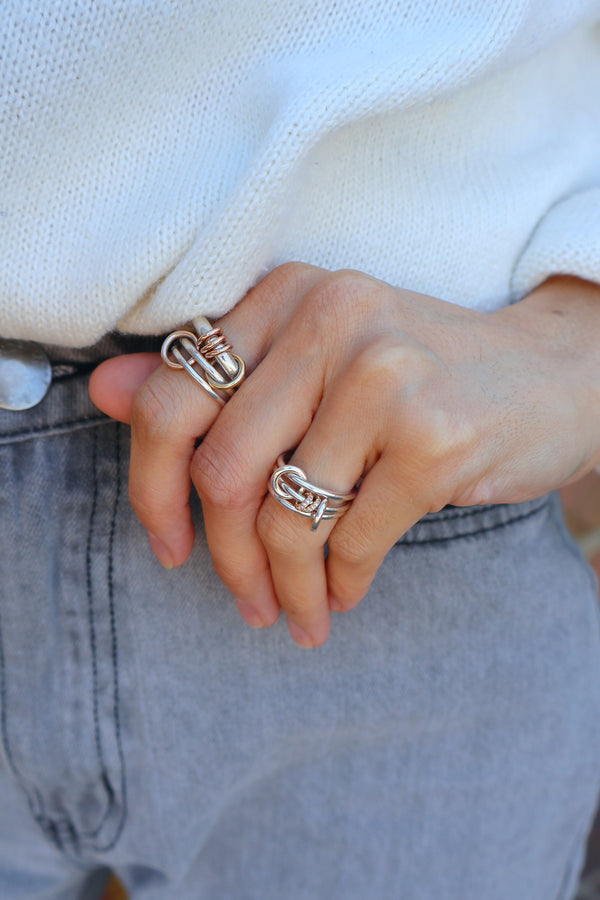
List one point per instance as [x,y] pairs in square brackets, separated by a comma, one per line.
[213,343]
[206,357]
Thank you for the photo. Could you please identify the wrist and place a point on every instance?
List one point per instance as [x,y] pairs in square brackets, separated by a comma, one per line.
[563,314]
[559,323]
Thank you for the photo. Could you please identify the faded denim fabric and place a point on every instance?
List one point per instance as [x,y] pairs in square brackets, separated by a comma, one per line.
[444,743]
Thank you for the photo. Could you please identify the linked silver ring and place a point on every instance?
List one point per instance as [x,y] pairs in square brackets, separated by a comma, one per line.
[290,487]
[206,357]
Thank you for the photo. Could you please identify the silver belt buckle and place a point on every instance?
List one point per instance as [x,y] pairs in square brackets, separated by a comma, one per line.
[25,374]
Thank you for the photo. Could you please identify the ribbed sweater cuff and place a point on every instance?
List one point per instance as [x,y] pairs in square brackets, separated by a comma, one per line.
[566,241]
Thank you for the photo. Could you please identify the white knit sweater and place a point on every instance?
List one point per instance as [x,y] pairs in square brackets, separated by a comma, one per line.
[158,157]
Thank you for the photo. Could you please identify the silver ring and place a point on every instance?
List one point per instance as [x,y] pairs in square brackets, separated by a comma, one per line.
[216,367]
[290,487]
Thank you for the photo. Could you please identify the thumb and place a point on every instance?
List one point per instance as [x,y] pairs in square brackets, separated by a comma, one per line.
[115,381]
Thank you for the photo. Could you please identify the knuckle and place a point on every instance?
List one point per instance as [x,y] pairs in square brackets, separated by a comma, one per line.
[333,297]
[438,428]
[290,272]
[152,410]
[351,297]
[346,283]
[283,279]
[429,424]
[448,438]
[217,476]
[391,364]
[328,315]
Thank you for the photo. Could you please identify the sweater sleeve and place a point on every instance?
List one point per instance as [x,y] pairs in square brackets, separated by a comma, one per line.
[566,241]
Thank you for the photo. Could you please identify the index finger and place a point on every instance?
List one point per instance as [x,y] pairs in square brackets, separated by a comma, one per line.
[169,412]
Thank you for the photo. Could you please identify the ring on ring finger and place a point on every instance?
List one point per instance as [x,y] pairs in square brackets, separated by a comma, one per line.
[292,489]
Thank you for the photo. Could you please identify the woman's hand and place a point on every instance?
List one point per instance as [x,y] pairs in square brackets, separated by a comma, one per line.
[428,403]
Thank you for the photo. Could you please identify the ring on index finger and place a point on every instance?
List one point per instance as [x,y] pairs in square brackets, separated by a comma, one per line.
[207,358]
[290,487]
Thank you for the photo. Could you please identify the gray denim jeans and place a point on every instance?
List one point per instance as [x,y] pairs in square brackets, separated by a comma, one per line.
[444,743]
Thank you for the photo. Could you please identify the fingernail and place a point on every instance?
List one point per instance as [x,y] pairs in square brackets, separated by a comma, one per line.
[161,551]
[335,605]
[300,636]
[249,614]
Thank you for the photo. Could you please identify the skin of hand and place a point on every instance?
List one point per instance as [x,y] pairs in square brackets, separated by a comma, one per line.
[428,402]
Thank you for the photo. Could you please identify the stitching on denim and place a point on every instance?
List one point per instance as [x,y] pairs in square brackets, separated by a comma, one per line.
[104,775]
[57,829]
[464,513]
[60,831]
[65,834]
[469,534]
[110,794]
[114,643]
[58,426]
[92,625]
[50,829]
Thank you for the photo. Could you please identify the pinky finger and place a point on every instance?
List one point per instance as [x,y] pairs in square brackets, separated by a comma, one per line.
[381,513]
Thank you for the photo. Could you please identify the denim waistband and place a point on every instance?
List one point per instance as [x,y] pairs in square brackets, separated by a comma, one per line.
[67,405]
[113,344]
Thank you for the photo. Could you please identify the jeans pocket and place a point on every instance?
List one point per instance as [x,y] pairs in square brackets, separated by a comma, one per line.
[60,690]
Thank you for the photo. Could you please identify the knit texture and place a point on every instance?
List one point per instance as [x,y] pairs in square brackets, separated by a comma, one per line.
[157,158]
[566,240]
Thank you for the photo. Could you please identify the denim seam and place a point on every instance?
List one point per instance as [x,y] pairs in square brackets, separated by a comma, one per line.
[52,832]
[104,779]
[55,829]
[465,513]
[91,616]
[471,534]
[114,642]
[60,831]
[104,776]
